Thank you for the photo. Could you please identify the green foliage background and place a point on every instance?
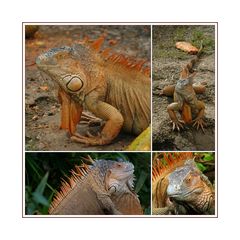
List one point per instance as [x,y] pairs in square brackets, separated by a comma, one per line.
[44,172]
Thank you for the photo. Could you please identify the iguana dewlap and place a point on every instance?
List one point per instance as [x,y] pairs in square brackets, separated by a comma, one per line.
[179,187]
[112,87]
[106,187]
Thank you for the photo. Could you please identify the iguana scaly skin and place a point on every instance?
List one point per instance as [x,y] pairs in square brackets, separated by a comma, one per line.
[185,99]
[106,187]
[179,187]
[111,86]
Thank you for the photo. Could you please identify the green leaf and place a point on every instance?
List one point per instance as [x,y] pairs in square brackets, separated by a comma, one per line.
[31,208]
[41,186]
[141,180]
[147,211]
[208,157]
[201,167]
[39,198]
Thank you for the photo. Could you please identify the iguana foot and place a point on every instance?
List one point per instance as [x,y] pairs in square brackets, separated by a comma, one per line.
[199,123]
[94,123]
[178,124]
[89,139]
[91,120]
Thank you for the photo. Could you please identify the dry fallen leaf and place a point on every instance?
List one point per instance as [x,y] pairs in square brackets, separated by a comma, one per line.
[187,47]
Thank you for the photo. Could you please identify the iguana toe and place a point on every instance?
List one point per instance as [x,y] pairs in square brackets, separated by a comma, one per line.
[178,125]
[199,123]
[89,140]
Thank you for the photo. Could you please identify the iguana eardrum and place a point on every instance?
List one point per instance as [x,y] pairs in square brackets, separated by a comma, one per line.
[179,187]
[106,187]
[185,99]
[111,86]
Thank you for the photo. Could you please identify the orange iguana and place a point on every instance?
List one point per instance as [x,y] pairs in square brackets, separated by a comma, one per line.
[111,86]
[179,187]
[185,99]
[106,187]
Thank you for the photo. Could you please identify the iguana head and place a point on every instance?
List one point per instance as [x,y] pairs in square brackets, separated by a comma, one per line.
[119,176]
[61,65]
[188,185]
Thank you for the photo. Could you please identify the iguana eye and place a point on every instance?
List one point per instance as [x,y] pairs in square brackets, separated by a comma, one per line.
[119,165]
[188,179]
[112,189]
[74,84]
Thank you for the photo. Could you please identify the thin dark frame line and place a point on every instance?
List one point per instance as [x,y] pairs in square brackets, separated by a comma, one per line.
[151,151]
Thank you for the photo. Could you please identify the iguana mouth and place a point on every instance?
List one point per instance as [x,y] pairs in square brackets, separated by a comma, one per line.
[126,173]
[184,195]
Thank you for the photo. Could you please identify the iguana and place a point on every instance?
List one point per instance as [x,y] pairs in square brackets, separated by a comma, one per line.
[106,187]
[179,187]
[185,99]
[111,86]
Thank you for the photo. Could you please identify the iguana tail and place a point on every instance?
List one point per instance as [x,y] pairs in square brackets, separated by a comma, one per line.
[188,69]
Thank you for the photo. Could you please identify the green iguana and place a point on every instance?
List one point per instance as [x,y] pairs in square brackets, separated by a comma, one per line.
[106,187]
[111,86]
[185,99]
[179,187]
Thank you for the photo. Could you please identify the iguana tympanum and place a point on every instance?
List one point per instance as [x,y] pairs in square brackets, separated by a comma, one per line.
[185,99]
[111,86]
[179,187]
[106,187]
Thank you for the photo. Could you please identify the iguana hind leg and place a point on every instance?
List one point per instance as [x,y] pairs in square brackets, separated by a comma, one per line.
[113,125]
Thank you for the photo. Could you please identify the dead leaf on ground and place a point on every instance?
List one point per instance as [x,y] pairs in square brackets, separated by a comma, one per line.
[187,47]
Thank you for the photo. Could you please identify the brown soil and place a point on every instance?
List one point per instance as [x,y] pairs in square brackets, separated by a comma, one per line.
[42,110]
[167,64]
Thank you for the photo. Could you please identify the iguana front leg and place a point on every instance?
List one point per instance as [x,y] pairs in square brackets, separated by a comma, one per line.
[198,121]
[161,211]
[169,90]
[177,124]
[107,204]
[91,120]
[112,127]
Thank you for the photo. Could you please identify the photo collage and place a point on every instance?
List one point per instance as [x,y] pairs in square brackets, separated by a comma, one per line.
[120,120]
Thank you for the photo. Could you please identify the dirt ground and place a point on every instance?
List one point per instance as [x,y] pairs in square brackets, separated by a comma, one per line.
[167,64]
[42,110]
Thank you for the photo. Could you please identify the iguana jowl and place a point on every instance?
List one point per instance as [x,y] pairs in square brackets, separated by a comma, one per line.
[110,86]
[179,187]
[106,187]
[185,99]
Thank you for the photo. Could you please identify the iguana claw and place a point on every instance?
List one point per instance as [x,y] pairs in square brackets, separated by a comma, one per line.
[89,139]
[199,123]
[177,125]
[90,120]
